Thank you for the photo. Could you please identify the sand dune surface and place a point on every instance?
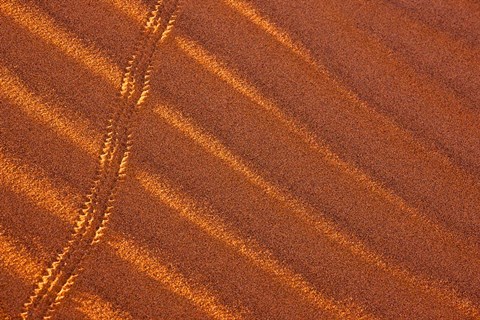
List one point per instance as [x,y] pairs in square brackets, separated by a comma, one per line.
[239,159]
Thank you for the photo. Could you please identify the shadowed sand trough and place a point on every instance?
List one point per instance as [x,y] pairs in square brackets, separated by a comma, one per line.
[239,160]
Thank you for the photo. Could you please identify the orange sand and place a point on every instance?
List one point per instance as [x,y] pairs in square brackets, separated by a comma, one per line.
[239,159]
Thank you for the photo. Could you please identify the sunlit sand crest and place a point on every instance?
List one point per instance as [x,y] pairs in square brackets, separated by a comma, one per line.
[177,283]
[94,307]
[197,52]
[15,91]
[209,223]
[16,258]
[254,16]
[45,28]
[176,120]
[60,125]
[20,262]
[97,209]
[80,135]
[313,217]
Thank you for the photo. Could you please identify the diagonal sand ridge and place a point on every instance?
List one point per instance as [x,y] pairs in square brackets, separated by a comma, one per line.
[97,209]
[126,249]
[218,68]
[249,195]
[292,280]
[281,36]
[45,27]
[325,227]
[206,220]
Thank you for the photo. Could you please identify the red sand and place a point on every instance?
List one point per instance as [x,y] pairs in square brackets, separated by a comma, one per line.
[287,161]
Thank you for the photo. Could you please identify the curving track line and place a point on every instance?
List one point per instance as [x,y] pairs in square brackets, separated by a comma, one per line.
[117,143]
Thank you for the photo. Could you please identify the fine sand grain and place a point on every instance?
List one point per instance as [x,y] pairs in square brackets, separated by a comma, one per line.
[239,159]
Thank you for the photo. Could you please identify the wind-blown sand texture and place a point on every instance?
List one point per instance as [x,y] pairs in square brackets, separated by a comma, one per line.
[239,159]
